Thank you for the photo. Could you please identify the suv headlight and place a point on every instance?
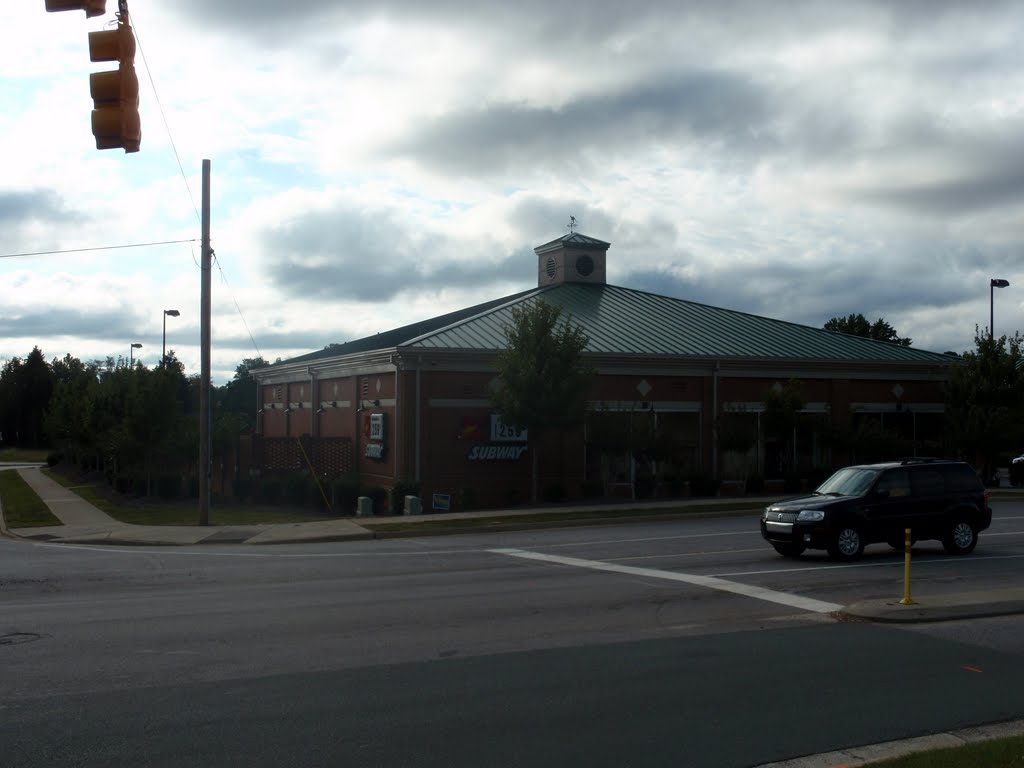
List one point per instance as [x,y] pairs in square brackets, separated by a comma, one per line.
[810,516]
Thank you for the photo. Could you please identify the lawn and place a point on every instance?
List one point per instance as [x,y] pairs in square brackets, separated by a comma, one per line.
[137,511]
[24,455]
[22,506]
[998,753]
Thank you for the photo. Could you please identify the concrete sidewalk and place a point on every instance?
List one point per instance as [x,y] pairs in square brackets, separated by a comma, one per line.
[85,524]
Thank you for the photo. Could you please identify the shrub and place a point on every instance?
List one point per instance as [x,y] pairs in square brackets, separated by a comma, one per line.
[674,483]
[817,476]
[242,487]
[401,489]
[554,492]
[644,486]
[467,499]
[55,458]
[792,483]
[702,485]
[345,493]
[379,497]
[592,489]
[271,490]
[297,489]
[755,484]
[123,484]
[168,486]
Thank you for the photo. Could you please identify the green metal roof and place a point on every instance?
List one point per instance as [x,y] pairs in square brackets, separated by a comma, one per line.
[623,321]
[400,336]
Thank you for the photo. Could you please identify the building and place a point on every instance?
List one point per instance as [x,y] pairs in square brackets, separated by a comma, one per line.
[684,391]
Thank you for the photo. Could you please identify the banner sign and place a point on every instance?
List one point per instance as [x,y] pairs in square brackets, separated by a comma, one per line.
[442,502]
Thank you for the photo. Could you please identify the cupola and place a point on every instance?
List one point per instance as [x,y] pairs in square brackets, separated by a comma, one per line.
[574,258]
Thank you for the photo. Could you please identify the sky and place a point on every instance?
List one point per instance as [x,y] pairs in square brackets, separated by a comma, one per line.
[379,163]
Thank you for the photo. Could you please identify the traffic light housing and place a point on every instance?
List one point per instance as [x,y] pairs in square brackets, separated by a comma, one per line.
[115,93]
[91,7]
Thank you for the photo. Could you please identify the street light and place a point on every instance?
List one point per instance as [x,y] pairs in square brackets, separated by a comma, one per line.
[172,313]
[992,285]
[131,354]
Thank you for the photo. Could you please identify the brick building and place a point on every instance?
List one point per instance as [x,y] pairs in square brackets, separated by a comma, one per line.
[683,390]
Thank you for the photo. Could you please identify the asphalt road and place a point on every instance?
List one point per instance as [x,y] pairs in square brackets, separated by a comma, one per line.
[675,643]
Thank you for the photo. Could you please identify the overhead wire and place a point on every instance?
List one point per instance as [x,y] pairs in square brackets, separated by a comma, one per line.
[181,169]
[94,248]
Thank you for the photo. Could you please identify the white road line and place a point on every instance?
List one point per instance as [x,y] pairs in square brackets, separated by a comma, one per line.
[711,582]
[744,532]
[683,554]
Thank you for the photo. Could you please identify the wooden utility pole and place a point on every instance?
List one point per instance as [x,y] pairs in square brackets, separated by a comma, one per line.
[204,367]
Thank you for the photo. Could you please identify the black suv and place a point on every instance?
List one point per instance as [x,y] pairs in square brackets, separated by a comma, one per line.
[860,505]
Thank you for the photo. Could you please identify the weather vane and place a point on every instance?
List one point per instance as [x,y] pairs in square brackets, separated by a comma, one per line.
[572,223]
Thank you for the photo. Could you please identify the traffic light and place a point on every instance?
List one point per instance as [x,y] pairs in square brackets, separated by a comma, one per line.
[91,7]
[115,94]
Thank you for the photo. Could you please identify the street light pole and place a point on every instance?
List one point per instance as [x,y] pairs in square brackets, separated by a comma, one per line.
[131,353]
[172,313]
[992,285]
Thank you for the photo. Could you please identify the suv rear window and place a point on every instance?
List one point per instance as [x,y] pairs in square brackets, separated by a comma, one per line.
[961,478]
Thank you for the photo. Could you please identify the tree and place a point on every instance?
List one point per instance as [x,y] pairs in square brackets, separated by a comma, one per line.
[858,325]
[782,406]
[544,379]
[25,389]
[985,400]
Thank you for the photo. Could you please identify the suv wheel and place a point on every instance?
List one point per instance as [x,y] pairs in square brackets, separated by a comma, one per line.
[961,539]
[789,550]
[846,543]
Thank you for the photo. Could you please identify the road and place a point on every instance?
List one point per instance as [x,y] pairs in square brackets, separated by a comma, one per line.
[675,643]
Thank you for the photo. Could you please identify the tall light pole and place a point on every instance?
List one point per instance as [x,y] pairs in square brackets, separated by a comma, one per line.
[992,285]
[131,353]
[172,313]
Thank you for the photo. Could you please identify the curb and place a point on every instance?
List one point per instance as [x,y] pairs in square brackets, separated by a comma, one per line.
[873,753]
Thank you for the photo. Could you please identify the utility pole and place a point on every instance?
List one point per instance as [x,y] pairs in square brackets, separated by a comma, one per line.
[204,342]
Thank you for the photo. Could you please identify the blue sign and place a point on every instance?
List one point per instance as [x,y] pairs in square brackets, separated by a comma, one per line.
[442,502]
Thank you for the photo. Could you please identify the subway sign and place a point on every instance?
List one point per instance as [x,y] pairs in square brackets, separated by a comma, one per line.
[496,452]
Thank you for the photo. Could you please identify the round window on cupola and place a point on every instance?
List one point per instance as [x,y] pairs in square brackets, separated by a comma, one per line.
[584,265]
[551,267]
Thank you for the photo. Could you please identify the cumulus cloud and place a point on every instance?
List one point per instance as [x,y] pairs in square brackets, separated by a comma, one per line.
[379,162]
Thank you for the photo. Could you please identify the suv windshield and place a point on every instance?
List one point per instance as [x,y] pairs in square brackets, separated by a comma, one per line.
[852,481]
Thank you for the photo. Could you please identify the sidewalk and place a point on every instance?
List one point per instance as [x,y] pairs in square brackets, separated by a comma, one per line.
[85,524]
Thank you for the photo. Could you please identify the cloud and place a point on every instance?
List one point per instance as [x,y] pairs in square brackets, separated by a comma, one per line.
[704,107]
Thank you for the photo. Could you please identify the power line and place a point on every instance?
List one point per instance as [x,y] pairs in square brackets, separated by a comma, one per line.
[95,248]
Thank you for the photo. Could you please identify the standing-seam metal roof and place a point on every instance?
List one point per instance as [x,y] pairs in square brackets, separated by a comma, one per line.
[624,321]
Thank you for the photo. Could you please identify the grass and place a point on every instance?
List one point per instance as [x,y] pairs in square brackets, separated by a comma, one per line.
[22,506]
[155,512]
[997,753]
[558,517]
[24,454]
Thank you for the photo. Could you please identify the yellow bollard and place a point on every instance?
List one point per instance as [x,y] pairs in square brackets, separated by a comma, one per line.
[907,599]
